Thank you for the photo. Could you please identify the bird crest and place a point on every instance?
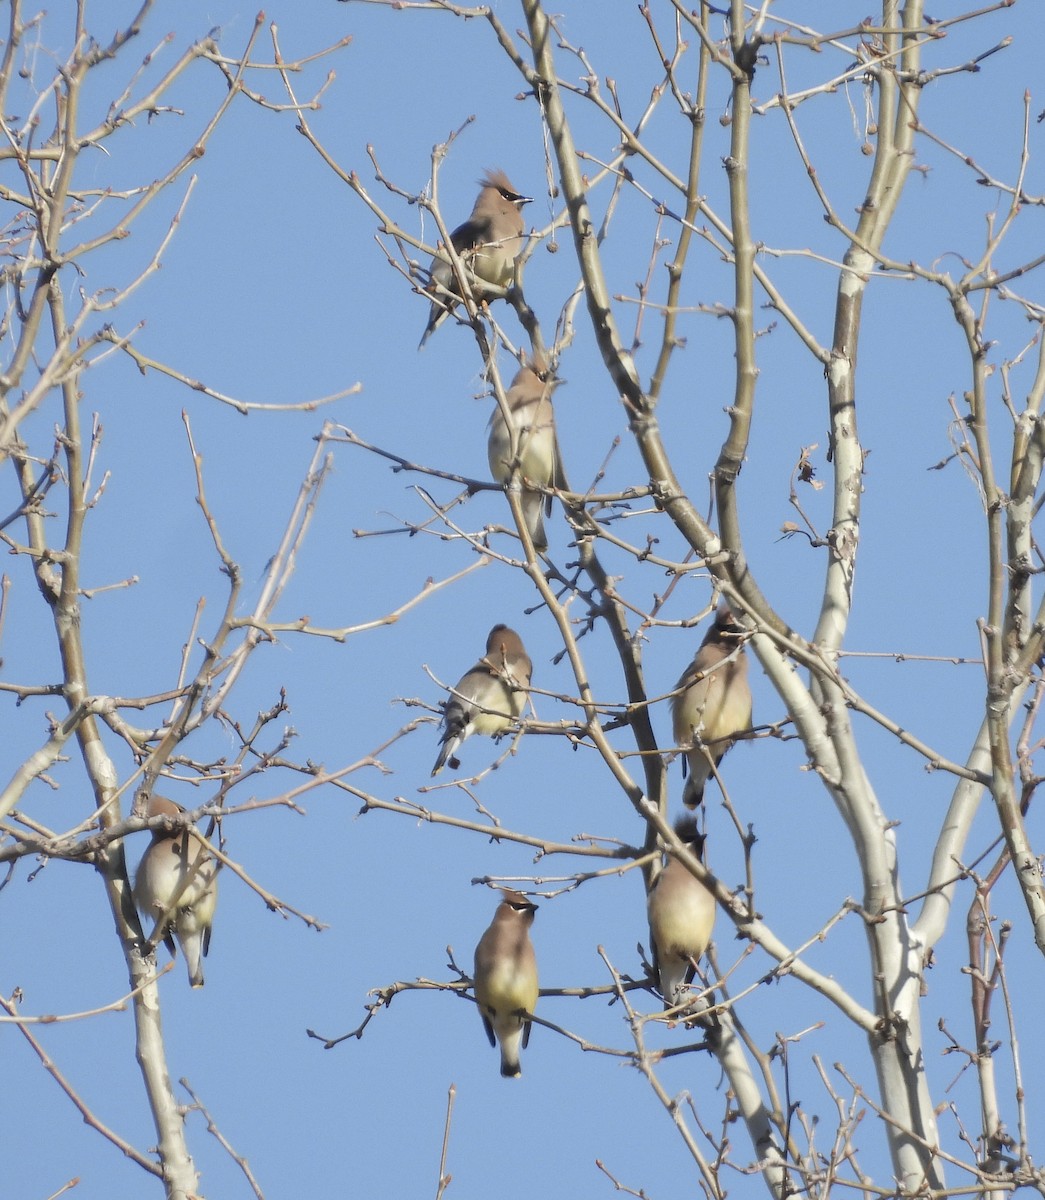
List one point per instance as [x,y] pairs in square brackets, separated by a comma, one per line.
[496,178]
[687,833]
[517,901]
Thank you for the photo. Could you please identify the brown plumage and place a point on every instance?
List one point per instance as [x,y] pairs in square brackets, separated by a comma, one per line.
[489,697]
[505,979]
[713,704]
[488,243]
[681,914]
[529,402]
[178,878]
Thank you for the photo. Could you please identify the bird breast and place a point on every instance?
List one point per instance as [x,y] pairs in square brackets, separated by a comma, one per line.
[491,723]
[684,924]
[508,985]
[494,262]
[532,424]
[198,915]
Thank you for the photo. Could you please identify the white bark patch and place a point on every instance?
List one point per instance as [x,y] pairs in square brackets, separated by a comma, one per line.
[854,279]
[839,369]
[100,765]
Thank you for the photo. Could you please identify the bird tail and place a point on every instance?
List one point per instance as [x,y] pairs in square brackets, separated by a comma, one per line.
[440,310]
[675,989]
[533,512]
[699,773]
[192,947]
[435,319]
[692,793]
[454,722]
[448,747]
[511,1068]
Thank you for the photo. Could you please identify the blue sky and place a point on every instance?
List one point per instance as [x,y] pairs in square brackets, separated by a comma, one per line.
[274,290]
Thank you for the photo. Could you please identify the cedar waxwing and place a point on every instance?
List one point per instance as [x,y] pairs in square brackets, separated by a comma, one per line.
[529,400]
[506,979]
[488,242]
[179,878]
[489,697]
[681,916]
[713,703]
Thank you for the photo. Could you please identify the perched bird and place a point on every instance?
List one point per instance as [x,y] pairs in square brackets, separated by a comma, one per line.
[713,703]
[681,916]
[177,881]
[536,451]
[488,243]
[489,697]
[506,979]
